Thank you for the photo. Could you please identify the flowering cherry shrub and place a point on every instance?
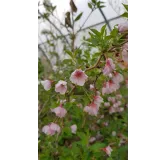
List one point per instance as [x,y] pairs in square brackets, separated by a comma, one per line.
[83,106]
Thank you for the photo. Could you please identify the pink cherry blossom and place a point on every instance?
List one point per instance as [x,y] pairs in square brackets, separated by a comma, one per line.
[59,111]
[120,109]
[108,150]
[61,87]
[115,105]
[46,84]
[78,77]
[109,87]
[109,67]
[51,129]
[123,27]
[125,46]
[112,110]
[98,100]
[73,128]
[125,55]
[111,99]
[92,109]
[118,96]
[106,104]
[117,78]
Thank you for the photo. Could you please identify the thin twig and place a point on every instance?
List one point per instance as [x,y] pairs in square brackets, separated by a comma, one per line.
[55,27]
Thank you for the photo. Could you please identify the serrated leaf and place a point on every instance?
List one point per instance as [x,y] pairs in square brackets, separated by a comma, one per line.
[78,17]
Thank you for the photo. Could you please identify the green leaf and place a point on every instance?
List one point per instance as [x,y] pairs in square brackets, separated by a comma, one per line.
[78,17]
[69,53]
[125,15]
[101,6]
[94,1]
[90,5]
[125,6]
[97,147]
[103,29]
[95,32]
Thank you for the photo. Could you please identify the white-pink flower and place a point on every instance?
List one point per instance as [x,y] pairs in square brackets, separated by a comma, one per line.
[117,78]
[78,77]
[46,84]
[61,87]
[108,150]
[115,105]
[92,109]
[51,129]
[123,27]
[109,87]
[92,87]
[109,67]
[73,128]
[98,100]
[59,111]
[92,139]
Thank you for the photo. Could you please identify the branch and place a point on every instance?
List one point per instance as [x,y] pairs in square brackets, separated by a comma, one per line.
[55,28]
[97,63]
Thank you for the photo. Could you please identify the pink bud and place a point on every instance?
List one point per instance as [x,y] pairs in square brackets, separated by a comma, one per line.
[123,27]
[92,87]
[73,128]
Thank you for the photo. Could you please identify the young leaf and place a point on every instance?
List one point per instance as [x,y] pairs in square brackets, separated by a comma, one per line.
[78,17]
[125,6]
[69,53]
[94,1]
[97,33]
[103,29]
[90,5]
[125,15]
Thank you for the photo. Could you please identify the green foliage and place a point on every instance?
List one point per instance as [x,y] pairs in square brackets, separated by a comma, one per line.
[66,145]
[78,17]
